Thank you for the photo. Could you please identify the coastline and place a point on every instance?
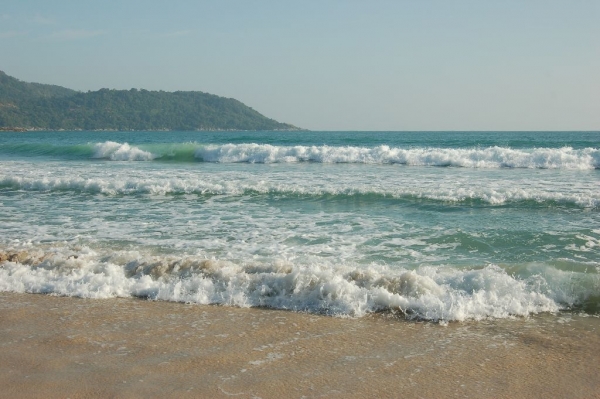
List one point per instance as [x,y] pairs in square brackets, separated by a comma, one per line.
[69,347]
[41,129]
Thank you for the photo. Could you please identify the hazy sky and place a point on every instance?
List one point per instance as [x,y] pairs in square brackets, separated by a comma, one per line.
[327,64]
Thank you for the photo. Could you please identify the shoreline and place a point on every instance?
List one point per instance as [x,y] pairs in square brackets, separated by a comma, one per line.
[71,347]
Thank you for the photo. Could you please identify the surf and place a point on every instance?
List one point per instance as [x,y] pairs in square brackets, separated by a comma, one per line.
[427,292]
[493,157]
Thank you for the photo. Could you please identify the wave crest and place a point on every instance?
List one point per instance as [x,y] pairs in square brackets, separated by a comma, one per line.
[154,185]
[492,157]
[488,157]
[121,152]
[431,293]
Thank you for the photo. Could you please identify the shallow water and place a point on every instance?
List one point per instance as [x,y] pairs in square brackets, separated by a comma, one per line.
[441,225]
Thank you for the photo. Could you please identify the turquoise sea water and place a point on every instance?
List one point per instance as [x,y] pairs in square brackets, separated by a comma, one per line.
[436,225]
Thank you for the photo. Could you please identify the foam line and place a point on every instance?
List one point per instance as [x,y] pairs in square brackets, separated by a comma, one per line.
[488,157]
[431,293]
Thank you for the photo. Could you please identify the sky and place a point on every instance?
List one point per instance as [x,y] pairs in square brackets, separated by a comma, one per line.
[328,64]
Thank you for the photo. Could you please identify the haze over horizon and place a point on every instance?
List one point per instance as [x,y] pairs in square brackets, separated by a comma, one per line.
[336,65]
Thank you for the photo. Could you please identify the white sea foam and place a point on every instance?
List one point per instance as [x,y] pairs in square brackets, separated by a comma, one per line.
[433,293]
[121,152]
[495,193]
[333,230]
[491,157]
[488,157]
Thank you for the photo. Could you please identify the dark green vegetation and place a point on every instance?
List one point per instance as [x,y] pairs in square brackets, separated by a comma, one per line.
[40,106]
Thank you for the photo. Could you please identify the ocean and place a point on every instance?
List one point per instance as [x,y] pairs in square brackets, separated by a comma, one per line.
[440,226]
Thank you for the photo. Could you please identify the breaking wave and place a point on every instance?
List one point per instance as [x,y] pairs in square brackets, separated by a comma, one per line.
[206,187]
[489,157]
[121,152]
[492,157]
[431,293]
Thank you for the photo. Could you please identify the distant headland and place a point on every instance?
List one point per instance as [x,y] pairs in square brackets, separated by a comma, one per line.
[34,106]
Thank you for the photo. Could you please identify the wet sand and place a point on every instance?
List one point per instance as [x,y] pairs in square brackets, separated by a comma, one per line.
[56,347]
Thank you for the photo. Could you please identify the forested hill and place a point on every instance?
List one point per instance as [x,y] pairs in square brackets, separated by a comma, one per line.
[40,106]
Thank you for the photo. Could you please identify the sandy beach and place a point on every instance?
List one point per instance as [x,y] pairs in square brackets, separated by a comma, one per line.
[58,347]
